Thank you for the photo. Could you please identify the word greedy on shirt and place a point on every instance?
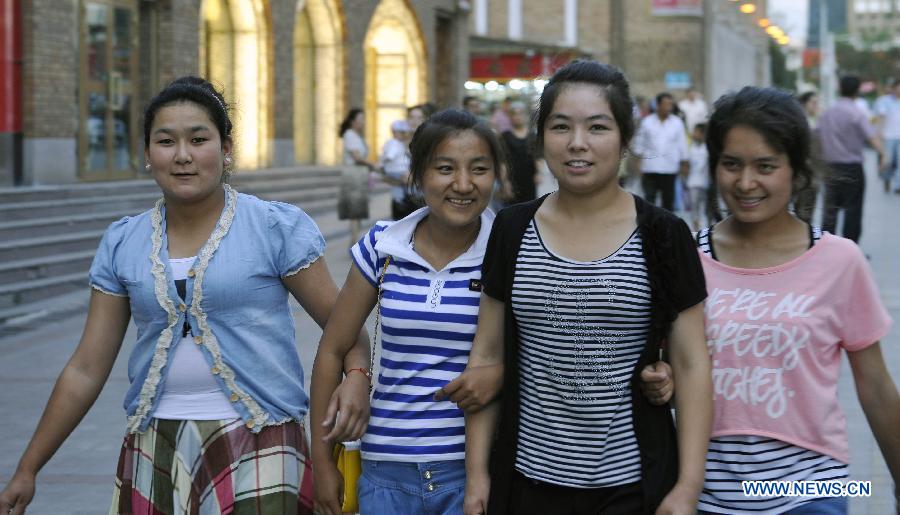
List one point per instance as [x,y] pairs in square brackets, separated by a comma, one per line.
[758,323]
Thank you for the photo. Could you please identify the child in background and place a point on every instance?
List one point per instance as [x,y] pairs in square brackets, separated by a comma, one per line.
[395,167]
[698,174]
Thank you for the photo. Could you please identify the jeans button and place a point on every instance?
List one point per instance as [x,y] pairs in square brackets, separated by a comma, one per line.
[431,487]
[427,474]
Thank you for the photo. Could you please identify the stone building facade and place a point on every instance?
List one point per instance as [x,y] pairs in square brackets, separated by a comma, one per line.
[877,20]
[711,43]
[290,68]
[293,68]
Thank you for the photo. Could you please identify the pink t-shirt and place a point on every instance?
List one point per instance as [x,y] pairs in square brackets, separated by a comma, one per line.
[775,336]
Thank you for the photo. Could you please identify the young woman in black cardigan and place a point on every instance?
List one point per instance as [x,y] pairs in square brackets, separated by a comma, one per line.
[582,288]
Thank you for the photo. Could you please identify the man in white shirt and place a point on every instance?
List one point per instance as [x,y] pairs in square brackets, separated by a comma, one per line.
[661,144]
[887,110]
[694,108]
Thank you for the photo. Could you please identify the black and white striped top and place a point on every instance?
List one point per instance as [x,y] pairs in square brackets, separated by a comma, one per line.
[732,459]
[582,327]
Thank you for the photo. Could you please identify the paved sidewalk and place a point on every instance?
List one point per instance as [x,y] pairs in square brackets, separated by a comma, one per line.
[78,480]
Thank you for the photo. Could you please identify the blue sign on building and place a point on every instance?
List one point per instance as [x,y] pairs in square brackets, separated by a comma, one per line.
[678,80]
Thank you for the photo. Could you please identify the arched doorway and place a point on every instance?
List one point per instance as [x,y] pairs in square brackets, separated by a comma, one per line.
[395,69]
[318,81]
[235,50]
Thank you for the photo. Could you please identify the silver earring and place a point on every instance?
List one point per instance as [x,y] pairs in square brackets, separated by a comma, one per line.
[147,167]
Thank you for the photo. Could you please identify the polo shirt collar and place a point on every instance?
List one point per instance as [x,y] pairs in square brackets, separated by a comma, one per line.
[396,240]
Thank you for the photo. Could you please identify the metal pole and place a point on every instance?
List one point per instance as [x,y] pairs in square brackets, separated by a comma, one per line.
[827,64]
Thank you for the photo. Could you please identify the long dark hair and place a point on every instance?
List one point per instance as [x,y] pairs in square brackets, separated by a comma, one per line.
[348,120]
[774,114]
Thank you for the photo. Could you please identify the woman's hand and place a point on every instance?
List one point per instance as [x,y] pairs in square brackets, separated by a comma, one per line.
[328,489]
[17,494]
[474,388]
[348,410]
[681,500]
[657,383]
[478,487]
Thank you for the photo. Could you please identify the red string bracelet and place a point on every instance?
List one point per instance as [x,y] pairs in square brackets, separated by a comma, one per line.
[362,371]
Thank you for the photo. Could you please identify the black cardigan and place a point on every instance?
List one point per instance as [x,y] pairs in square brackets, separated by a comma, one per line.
[676,283]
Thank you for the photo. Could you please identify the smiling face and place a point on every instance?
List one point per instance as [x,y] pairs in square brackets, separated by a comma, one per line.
[754,179]
[582,142]
[459,179]
[186,154]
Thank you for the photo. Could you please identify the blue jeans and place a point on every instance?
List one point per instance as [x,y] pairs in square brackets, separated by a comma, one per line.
[892,173]
[823,506]
[397,488]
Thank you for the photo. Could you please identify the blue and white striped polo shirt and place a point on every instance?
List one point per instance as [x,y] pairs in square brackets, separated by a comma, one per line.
[428,321]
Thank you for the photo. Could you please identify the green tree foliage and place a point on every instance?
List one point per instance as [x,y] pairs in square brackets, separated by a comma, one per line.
[873,58]
[781,77]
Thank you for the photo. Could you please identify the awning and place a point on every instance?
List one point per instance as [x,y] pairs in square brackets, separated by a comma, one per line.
[504,60]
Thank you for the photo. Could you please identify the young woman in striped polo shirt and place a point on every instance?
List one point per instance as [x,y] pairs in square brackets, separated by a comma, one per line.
[414,447]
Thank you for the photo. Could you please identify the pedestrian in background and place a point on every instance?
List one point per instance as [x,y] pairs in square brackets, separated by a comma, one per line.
[844,130]
[697,181]
[806,198]
[216,399]
[661,145]
[395,166]
[581,286]
[809,101]
[353,200]
[642,108]
[784,300]
[523,171]
[415,116]
[423,272]
[694,109]
[887,109]
[472,105]
[500,121]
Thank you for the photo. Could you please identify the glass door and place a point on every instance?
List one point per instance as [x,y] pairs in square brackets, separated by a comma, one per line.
[107,139]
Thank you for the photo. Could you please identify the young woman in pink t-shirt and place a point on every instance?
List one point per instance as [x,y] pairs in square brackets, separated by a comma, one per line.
[784,300]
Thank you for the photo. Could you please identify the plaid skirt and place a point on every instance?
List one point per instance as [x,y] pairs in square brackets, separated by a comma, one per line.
[212,467]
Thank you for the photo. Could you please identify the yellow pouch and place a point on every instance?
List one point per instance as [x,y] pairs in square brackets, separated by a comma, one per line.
[346,454]
[349,463]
